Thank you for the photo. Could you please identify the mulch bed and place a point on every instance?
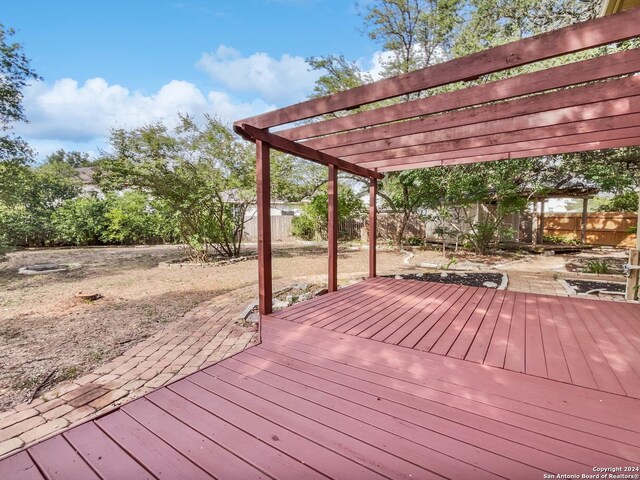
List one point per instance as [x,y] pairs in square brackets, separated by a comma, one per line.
[456,278]
[584,286]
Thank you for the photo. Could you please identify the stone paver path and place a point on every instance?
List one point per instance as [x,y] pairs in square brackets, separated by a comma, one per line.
[203,336]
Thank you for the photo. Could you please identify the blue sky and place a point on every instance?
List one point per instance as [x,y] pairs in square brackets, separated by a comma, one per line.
[125,63]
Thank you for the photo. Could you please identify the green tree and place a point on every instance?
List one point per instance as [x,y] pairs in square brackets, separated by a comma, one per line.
[79,221]
[74,159]
[623,202]
[15,73]
[312,223]
[135,218]
[27,219]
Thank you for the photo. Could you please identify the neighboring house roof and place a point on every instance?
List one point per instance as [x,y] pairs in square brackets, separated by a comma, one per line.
[86,175]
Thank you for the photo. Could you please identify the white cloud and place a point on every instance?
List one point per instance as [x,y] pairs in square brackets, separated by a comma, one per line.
[69,114]
[375,67]
[283,81]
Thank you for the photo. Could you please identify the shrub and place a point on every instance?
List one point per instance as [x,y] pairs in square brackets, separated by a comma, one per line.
[597,266]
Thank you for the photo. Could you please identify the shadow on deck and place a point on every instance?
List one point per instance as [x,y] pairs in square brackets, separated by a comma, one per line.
[384,379]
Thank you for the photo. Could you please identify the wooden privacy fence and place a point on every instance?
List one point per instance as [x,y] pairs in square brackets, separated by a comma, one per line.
[280,229]
[348,228]
[603,228]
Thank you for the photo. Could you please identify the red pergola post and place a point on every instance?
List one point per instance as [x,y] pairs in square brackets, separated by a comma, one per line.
[332,228]
[373,191]
[263,188]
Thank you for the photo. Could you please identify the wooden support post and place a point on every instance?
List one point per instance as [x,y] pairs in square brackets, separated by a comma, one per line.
[634,275]
[373,192]
[263,188]
[585,210]
[332,228]
[541,228]
[534,224]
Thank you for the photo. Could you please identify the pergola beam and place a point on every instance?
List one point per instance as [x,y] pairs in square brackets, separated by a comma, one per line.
[384,158]
[582,147]
[302,151]
[537,144]
[599,68]
[575,38]
[580,113]
[376,138]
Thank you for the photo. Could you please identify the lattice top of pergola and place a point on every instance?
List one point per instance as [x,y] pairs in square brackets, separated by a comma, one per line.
[585,105]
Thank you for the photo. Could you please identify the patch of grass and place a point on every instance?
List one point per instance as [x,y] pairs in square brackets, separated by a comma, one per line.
[597,266]
[68,373]
[26,383]
[10,332]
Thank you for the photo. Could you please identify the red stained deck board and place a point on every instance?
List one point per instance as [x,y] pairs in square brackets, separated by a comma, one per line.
[397,457]
[497,348]
[19,466]
[370,391]
[410,440]
[269,456]
[465,338]
[57,460]
[439,299]
[103,455]
[349,349]
[411,306]
[466,304]
[372,301]
[157,456]
[398,301]
[386,328]
[267,428]
[202,451]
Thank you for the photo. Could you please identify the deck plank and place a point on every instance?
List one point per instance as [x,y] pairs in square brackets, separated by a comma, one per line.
[463,342]
[482,341]
[557,397]
[205,453]
[103,455]
[59,461]
[450,334]
[397,301]
[19,466]
[386,328]
[369,390]
[157,456]
[277,459]
[411,441]
[270,429]
[497,350]
[524,416]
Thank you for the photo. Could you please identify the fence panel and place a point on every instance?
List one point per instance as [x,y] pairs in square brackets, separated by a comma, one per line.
[603,228]
[280,229]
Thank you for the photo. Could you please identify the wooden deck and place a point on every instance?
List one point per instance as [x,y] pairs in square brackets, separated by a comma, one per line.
[585,342]
[311,402]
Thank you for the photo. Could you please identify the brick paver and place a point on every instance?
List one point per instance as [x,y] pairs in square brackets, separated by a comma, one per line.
[203,336]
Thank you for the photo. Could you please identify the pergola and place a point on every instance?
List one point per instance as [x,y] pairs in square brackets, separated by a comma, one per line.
[580,106]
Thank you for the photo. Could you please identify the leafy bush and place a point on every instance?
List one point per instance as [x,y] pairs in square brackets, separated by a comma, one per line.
[312,223]
[80,221]
[559,239]
[597,266]
[415,241]
[134,218]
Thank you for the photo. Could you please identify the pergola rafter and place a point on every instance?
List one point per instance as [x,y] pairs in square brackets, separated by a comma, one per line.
[585,105]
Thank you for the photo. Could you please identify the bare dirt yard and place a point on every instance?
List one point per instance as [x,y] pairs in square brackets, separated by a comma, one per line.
[46,332]
[45,328]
